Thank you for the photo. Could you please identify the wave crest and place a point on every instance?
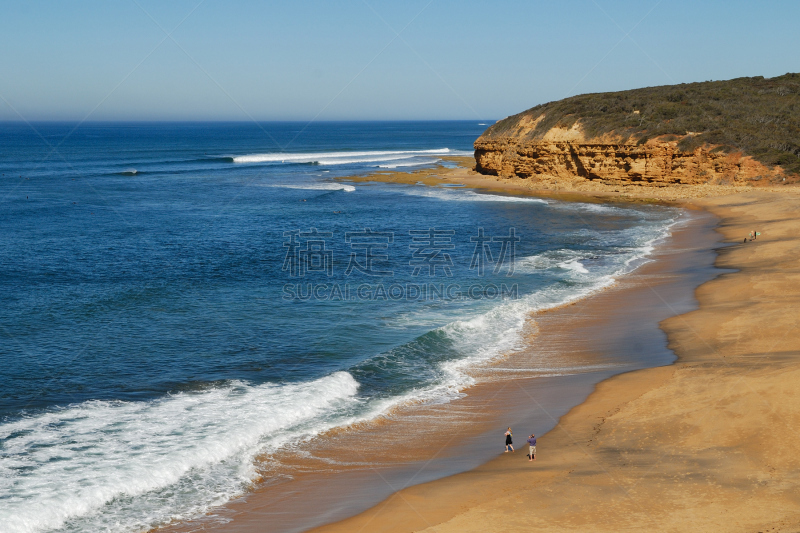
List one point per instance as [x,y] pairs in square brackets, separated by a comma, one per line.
[78,467]
[340,158]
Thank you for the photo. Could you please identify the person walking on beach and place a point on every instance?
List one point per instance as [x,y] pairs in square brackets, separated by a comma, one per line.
[509,444]
[532,447]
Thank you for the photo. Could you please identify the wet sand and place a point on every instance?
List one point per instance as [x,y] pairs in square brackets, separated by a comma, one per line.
[570,350]
[710,443]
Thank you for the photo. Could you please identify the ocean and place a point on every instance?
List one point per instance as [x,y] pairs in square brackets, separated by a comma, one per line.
[178,299]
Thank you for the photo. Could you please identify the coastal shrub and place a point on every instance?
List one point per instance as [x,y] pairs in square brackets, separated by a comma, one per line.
[757,116]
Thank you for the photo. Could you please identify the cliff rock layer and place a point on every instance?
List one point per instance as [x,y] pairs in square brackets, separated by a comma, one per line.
[657,163]
[735,131]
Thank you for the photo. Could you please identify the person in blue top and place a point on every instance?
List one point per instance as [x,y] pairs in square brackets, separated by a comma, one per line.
[532,447]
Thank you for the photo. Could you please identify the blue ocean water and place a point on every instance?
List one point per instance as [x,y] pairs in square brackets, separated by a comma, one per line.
[176,299]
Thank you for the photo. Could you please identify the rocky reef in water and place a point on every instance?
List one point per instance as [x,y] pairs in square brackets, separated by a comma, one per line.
[728,132]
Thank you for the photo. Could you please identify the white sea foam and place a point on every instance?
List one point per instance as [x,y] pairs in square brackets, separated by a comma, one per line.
[414,163]
[574,265]
[498,331]
[352,160]
[128,466]
[318,186]
[454,194]
[340,158]
[591,208]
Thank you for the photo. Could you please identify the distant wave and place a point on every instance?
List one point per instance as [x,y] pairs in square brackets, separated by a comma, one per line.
[128,172]
[458,194]
[340,158]
[319,187]
[410,163]
[226,158]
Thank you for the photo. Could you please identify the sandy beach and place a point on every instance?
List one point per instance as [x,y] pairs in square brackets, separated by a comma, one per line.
[706,444]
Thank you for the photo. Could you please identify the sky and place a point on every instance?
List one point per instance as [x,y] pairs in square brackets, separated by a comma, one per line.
[105,60]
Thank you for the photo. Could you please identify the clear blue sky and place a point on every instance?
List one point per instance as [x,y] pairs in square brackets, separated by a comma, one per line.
[368,59]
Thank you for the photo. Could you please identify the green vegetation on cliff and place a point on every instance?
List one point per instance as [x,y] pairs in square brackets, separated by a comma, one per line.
[758,116]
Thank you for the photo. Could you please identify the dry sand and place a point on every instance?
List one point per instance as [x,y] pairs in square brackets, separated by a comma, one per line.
[711,443]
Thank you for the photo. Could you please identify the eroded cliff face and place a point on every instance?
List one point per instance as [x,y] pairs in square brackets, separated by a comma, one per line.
[565,154]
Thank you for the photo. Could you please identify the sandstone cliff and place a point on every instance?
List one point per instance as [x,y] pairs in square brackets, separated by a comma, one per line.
[656,162]
[738,131]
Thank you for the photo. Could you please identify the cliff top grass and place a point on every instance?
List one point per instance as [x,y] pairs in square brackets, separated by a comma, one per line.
[757,116]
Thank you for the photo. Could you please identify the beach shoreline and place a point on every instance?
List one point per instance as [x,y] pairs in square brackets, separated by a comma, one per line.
[702,444]
[282,507]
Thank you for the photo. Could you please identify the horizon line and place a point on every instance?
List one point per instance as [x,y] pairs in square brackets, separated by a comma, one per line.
[231,121]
